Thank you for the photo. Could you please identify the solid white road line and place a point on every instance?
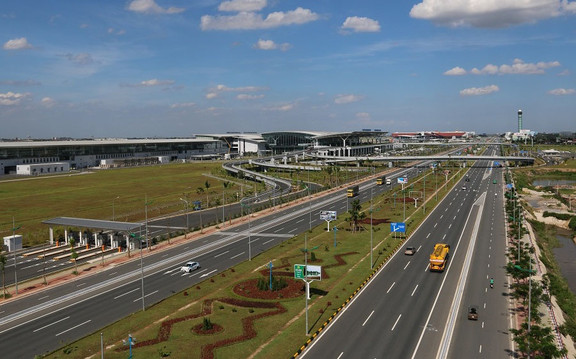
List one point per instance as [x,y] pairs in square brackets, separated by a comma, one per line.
[121,295]
[149,294]
[414,291]
[390,287]
[268,241]
[48,325]
[406,266]
[363,324]
[394,326]
[237,255]
[44,297]
[79,325]
[221,254]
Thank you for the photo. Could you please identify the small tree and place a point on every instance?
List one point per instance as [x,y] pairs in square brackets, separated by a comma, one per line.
[74,254]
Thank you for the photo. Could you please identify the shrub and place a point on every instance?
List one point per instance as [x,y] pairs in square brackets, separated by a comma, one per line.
[207,324]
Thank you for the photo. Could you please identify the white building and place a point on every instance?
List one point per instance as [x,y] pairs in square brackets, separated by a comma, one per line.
[35,169]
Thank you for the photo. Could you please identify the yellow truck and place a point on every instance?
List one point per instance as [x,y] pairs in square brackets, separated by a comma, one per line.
[439,257]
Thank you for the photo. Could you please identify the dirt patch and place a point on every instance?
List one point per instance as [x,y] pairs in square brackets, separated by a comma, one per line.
[249,289]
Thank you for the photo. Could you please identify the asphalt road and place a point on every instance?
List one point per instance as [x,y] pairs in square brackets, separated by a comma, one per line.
[44,321]
[408,312]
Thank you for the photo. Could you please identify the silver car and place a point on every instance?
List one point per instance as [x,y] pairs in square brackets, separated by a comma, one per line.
[190,267]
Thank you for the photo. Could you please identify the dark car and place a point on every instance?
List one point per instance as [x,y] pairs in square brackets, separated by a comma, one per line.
[473,312]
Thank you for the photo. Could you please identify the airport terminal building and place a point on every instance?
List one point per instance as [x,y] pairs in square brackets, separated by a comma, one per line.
[30,157]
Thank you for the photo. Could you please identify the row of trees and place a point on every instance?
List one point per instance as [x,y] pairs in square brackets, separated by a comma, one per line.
[534,339]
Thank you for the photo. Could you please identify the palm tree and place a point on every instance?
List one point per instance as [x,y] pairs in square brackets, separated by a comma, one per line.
[356,214]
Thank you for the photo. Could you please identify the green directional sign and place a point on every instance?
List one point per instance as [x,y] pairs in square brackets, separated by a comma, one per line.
[299,271]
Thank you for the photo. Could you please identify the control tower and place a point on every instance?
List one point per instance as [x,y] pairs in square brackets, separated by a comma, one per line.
[519,120]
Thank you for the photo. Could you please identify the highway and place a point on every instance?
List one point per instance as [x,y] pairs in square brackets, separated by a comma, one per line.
[62,314]
[408,312]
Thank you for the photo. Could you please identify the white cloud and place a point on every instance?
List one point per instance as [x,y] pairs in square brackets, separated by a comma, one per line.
[251,20]
[20,82]
[518,67]
[113,31]
[456,71]
[363,117]
[489,13]
[342,99]
[80,59]
[12,98]
[211,95]
[242,5]
[150,7]
[17,44]
[478,91]
[244,96]
[182,105]
[360,24]
[271,45]
[224,88]
[282,108]
[48,102]
[150,83]
[560,92]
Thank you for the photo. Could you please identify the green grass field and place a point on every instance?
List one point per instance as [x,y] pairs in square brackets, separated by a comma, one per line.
[277,336]
[100,194]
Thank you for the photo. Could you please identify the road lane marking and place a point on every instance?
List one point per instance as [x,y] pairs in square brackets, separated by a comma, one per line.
[81,284]
[482,325]
[444,236]
[221,254]
[48,325]
[278,230]
[237,255]
[147,295]
[390,288]
[414,291]
[426,269]
[340,356]
[450,226]
[363,324]
[480,350]
[435,224]
[406,266]
[441,216]
[121,295]
[418,250]
[428,235]
[79,325]
[394,326]
[207,274]
[268,241]
[44,297]
[112,273]
[302,220]
[293,230]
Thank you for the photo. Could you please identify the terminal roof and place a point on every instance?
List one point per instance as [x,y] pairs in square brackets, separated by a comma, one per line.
[94,224]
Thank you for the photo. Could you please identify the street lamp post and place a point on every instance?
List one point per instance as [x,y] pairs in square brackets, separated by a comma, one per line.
[14,228]
[135,236]
[187,226]
[249,228]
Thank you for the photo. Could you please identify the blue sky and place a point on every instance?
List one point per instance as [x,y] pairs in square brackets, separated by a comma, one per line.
[170,68]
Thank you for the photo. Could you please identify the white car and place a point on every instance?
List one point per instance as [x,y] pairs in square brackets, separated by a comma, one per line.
[189,267]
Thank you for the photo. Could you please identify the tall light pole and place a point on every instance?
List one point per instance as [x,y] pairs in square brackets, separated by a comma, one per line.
[146,203]
[249,228]
[187,226]
[309,201]
[135,236]
[371,231]
[113,212]
[14,229]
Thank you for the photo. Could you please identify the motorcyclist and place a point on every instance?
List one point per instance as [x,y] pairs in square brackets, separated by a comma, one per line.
[491,282]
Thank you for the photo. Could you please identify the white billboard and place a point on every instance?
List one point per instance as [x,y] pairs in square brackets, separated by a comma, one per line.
[328,215]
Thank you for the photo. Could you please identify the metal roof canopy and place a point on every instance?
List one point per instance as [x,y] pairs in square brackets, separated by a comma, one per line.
[94,224]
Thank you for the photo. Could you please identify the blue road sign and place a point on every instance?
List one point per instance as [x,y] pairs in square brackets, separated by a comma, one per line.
[398,227]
